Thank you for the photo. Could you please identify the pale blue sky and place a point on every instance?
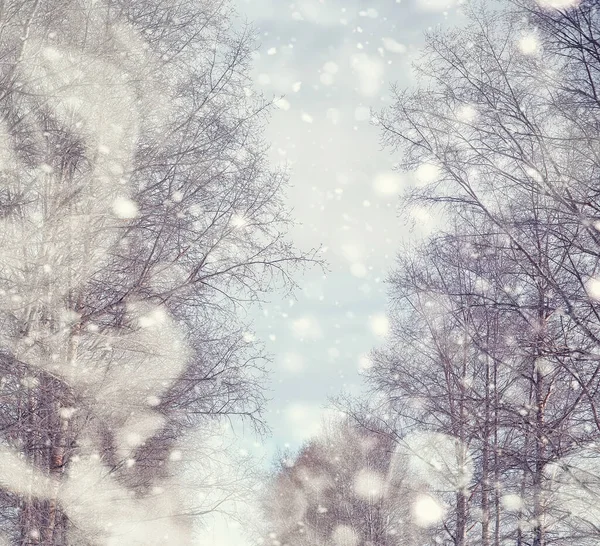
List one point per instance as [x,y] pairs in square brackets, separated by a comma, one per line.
[331,60]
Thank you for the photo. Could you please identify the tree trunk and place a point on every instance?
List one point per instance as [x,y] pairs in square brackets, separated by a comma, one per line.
[540,453]
[485,471]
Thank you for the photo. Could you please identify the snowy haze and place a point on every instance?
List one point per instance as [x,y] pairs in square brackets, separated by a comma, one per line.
[327,64]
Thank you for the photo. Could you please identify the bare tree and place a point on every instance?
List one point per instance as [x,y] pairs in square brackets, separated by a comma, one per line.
[503,145]
[348,486]
[138,214]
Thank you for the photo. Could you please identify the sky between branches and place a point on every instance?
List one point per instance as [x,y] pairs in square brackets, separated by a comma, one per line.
[327,63]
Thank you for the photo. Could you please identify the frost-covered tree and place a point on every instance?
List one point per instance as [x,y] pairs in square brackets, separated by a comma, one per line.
[137,213]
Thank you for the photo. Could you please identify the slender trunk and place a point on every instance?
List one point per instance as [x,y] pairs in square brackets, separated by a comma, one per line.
[496,459]
[540,439]
[523,489]
[57,462]
[540,453]
[61,398]
[31,437]
[29,518]
[460,538]
[485,471]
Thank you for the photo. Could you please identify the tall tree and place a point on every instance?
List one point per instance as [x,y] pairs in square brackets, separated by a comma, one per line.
[500,141]
[138,212]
